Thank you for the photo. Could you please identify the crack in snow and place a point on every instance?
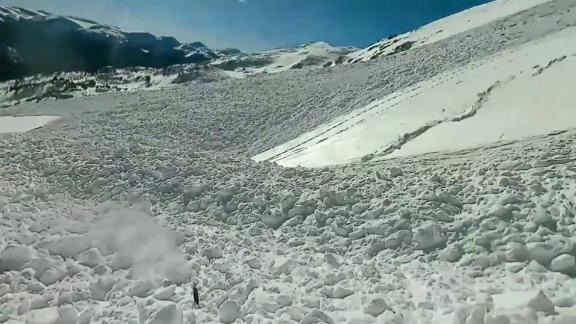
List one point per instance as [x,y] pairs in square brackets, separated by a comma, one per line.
[550,64]
[407,137]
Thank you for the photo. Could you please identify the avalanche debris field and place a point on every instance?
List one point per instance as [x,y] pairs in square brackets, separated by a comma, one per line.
[113,213]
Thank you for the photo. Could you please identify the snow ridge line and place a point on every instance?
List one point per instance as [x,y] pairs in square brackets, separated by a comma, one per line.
[407,137]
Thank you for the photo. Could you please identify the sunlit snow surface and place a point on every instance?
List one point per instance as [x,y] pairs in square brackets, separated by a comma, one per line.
[22,124]
[520,92]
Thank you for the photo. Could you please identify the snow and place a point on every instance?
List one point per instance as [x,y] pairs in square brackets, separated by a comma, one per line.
[229,311]
[517,106]
[192,53]
[86,24]
[449,26]
[286,60]
[41,87]
[16,13]
[312,55]
[21,124]
[118,214]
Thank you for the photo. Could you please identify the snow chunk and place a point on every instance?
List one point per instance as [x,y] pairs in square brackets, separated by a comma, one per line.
[166,293]
[542,253]
[396,172]
[52,275]
[274,219]
[499,319]
[67,314]
[541,303]
[38,302]
[516,252]
[168,314]
[229,311]
[212,253]
[254,263]
[43,316]
[4,289]
[564,263]
[101,287]
[140,289]
[316,316]
[90,257]
[13,258]
[336,293]
[376,307]
[67,247]
[85,316]
[452,253]
[429,236]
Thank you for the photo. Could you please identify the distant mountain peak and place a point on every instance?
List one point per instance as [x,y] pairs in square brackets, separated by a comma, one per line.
[68,44]
[63,43]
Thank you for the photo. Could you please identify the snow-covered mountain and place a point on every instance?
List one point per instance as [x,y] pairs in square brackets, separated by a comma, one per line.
[74,44]
[229,64]
[64,44]
[88,58]
[310,55]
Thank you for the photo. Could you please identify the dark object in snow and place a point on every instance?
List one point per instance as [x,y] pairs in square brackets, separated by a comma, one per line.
[196,297]
[403,47]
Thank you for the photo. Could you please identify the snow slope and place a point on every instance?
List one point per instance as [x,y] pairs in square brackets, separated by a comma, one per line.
[444,28]
[500,98]
[134,201]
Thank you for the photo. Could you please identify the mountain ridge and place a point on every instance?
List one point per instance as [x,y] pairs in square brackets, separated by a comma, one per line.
[64,44]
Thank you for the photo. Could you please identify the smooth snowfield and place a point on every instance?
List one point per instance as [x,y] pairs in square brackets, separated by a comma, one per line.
[21,124]
[117,212]
[517,93]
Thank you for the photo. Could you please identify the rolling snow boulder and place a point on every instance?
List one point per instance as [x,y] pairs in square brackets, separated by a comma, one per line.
[13,258]
[229,311]
[429,236]
[565,264]
[67,247]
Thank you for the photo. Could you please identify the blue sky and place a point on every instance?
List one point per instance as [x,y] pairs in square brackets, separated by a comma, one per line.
[254,25]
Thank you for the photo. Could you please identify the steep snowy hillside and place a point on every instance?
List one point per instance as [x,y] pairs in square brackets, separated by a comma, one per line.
[499,98]
[63,44]
[441,29]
